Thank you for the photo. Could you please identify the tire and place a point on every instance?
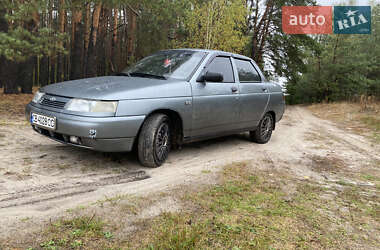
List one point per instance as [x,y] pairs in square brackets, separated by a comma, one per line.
[264,130]
[154,142]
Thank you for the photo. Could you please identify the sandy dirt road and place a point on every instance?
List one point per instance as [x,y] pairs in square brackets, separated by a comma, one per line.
[40,179]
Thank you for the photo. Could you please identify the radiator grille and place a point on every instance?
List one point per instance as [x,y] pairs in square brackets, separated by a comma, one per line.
[52,103]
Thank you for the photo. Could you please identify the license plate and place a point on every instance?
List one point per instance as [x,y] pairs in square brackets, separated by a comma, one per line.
[43,121]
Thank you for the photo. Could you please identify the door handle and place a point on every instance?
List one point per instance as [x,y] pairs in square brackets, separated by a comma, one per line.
[264,90]
[234,89]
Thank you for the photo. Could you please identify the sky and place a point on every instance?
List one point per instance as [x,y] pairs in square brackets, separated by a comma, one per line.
[345,2]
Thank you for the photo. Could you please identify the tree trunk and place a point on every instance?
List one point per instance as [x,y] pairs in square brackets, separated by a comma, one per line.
[101,42]
[44,70]
[260,33]
[61,21]
[114,55]
[131,33]
[10,77]
[124,49]
[25,75]
[87,27]
[91,69]
[25,69]
[77,45]
[8,69]
[3,28]
[52,56]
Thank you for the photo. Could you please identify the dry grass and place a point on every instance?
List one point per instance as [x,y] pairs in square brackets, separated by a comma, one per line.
[248,209]
[326,164]
[14,105]
[355,117]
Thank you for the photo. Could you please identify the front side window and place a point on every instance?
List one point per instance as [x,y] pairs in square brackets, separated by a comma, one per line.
[178,64]
[222,65]
[246,71]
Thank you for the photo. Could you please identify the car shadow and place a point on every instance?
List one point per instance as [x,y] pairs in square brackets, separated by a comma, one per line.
[218,140]
[88,160]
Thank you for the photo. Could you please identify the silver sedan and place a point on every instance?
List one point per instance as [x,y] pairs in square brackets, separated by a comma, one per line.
[166,99]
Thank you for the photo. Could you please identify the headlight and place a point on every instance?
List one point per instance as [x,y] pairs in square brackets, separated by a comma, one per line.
[81,105]
[37,97]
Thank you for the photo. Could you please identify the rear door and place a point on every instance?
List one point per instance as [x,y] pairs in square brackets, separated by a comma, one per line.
[216,104]
[254,93]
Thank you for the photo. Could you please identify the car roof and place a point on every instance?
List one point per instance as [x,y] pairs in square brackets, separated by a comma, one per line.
[219,52]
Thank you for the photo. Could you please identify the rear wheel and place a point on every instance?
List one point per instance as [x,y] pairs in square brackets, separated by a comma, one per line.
[154,141]
[263,132]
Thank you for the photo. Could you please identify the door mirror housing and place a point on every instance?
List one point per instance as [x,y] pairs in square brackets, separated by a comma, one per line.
[211,77]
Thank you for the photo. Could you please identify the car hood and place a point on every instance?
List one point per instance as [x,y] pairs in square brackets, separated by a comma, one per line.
[117,88]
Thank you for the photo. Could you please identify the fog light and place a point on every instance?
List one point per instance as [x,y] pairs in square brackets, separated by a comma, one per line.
[75,140]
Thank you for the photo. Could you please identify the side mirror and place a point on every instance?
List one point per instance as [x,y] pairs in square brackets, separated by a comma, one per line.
[211,77]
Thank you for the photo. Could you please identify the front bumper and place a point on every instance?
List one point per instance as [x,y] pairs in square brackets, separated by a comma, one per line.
[113,134]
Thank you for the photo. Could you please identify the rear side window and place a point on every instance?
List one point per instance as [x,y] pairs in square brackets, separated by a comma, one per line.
[223,66]
[246,71]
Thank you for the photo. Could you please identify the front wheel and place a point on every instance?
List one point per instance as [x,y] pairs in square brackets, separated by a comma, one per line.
[263,132]
[154,141]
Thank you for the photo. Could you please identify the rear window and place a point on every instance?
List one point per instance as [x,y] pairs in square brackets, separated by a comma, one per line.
[246,71]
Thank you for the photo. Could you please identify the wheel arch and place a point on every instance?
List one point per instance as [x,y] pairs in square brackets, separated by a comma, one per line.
[177,122]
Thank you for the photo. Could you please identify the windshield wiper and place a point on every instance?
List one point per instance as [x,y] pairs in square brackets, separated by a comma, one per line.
[141,74]
[123,74]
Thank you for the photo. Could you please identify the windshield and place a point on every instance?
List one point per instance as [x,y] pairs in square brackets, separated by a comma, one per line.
[178,64]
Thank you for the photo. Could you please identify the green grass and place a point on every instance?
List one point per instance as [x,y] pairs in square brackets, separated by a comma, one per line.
[373,123]
[76,233]
[251,210]
[248,209]
[25,219]
[369,177]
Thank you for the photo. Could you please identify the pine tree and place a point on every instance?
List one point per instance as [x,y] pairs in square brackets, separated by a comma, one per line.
[22,42]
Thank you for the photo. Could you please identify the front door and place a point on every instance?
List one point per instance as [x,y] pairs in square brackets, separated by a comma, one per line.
[216,104]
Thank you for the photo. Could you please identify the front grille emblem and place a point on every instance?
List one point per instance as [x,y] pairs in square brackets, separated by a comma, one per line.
[53,99]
